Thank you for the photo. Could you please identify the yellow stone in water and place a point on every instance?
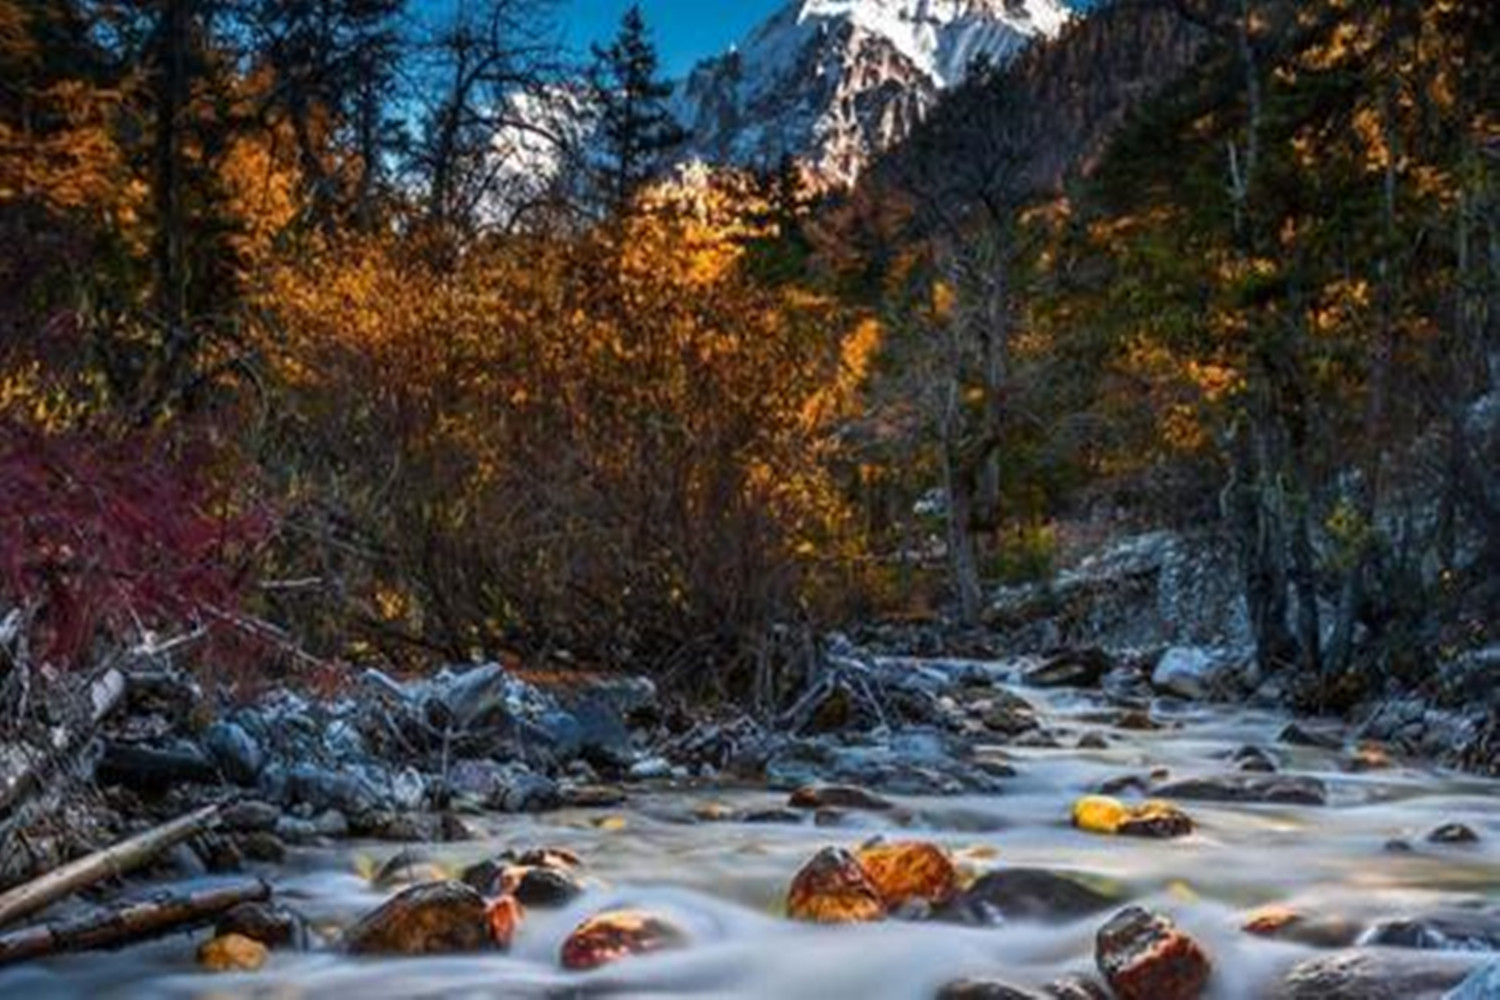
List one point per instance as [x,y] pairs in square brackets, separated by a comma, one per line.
[232,953]
[611,824]
[1099,814]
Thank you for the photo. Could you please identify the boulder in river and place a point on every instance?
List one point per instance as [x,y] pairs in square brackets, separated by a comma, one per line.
[1451,929]
[833,888]
[1082,668]
[1297,735]
[838,797]
[1453,833]
[616,934]
[1284,923]
[1198,672]
[1249,788]
[1028,894]
[272,925]
[1153,818]
[1144,956]
[909,872]
[433,918]
[1374,974]
[232,953]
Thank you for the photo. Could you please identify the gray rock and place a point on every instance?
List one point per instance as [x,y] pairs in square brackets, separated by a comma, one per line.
[1454,929]
[1374,974]
[249,816]
[349,792]
[1029,894]
[1199,673]
[237,753]
[1248,788]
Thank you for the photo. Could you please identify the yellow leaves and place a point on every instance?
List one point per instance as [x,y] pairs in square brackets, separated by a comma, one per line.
[1099,814]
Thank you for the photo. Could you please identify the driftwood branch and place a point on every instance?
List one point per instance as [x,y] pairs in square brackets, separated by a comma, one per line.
[26,899]
[124,923]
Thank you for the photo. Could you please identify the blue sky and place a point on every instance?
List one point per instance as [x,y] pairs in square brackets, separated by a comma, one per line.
[685,30]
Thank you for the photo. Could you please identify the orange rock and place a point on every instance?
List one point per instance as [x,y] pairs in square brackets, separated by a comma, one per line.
[430,919]
[1144,956]
[1268,920]
[232,953]
[616,934]
[504,916]
[833,888]
[909,871]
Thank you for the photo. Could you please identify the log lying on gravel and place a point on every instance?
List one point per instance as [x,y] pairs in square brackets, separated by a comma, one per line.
[125,923]
[27,899]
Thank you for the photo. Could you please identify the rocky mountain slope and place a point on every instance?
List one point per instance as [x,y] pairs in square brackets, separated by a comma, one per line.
[834,82]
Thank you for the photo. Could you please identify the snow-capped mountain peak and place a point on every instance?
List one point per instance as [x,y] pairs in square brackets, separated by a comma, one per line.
[834,82]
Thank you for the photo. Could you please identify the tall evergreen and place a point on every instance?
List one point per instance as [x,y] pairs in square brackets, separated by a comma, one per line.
[636,126]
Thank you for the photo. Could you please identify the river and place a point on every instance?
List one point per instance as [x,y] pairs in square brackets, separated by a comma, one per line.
[725,882]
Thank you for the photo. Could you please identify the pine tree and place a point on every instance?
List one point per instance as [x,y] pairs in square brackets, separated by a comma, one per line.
[636,126]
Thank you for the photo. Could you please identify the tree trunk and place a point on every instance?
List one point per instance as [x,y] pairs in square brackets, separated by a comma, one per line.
[37,894]
[122,924]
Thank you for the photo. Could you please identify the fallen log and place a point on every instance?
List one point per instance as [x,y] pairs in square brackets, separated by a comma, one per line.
[23,772]
[153,768]
[32,896]
[131,921]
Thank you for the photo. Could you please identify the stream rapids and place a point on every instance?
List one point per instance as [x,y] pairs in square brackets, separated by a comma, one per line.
[726,882]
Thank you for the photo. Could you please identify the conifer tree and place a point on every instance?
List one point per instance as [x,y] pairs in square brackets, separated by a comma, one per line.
[636,126]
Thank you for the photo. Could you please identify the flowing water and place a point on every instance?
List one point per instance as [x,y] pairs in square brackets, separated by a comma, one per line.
[726,883]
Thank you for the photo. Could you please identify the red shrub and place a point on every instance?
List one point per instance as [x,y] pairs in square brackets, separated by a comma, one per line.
[110,537]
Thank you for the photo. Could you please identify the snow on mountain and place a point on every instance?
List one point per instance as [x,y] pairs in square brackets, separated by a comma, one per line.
[834,82]
[830,83]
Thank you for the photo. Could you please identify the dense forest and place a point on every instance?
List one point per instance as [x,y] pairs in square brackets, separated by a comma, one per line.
[344,339]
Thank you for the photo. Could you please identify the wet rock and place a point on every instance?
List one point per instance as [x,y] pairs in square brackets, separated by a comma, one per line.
[537,886]
[428,919]
[985,989]
[264,846]
[1398,846]
[1196,672]
[401,827]
[1120,784]
[409,867]
[1370,974]
[833,888]
[1081,668]
[249,816]
[1454,929]
[1144,956]
[351,793]
[1076,988]
[838,797]
[774,815]
[1010,719]
[1453,833]
[1297,735]
[1093,741]
[1040,739]
[236,752]
[611,936]
[503,917]
[1028,894]
[1368,757]
[1138,719]
[1482,984]
[232,953]
[650,769]
[1254,759]
[1284,923]
[510,787]
[592,796]
[1249,789]
[1155,819]
[909,871]
[272,925]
